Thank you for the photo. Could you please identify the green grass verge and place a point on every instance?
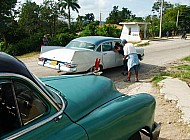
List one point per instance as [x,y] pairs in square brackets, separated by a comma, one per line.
[28,55]
[186,59]
[181,71]
[144,44]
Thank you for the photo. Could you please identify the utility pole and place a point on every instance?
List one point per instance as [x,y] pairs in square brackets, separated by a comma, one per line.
[177,19]
[100,18]
[161,10]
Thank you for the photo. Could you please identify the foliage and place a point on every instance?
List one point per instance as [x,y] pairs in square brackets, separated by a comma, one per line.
[155,80]
[181,71]
[62,39]
[117,16]
[90,29]
[69,4]
[157,4]
[186,58]
[22,34]
[6,17]
[184,17]
[28,18]
[25,45]
[109,30]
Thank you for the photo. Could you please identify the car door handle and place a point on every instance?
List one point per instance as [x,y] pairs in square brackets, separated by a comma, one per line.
[104,53]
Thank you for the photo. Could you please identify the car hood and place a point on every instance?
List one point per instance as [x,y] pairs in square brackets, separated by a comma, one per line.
[61,54]
[83,93]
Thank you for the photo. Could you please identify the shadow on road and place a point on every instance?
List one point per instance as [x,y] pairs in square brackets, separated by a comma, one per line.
[145,74]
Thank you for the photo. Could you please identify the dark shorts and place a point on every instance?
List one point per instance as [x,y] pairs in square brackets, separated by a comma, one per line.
[135,68]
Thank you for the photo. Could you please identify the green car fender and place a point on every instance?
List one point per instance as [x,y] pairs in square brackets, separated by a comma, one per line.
[120,118]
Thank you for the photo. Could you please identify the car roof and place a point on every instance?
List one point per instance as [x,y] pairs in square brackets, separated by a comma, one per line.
[10,64]
[95,39]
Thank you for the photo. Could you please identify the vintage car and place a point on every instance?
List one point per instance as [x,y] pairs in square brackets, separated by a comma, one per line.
[80,54]
[70,107]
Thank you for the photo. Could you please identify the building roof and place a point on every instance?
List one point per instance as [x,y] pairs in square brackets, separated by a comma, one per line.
[134,23]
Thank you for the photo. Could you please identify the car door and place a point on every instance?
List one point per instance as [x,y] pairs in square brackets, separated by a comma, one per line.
[108,55]
[25,113]
[118,57]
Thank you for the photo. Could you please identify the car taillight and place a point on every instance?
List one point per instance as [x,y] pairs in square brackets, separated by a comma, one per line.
[41,59]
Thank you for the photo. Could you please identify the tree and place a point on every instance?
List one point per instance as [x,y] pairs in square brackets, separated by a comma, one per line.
[89,17]
[114,16]
[69,4]
[157,5]
[7,17]
[29,17]
[49,15]
[184,17]
[117,16]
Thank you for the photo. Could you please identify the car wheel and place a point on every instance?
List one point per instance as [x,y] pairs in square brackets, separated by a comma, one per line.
[136,136]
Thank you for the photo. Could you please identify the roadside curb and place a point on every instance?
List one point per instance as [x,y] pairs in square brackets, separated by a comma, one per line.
[176,90]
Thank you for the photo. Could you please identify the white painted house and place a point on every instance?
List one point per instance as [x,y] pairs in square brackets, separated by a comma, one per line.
[131,31]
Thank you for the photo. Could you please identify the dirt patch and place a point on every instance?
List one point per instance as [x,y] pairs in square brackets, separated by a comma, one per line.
[172,126]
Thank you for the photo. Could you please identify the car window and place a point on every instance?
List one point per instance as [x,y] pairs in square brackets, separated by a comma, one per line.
[77,44]
[99,48]
[30,105]
[107,46]
[19,105]
[9,117]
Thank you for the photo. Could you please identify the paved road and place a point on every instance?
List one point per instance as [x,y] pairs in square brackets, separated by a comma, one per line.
[157,54]
[166,51]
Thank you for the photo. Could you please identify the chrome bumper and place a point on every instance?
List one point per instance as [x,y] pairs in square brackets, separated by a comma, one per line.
[156,132]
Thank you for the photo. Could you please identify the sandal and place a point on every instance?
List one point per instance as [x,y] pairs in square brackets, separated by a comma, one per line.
[127,80]
[137,80]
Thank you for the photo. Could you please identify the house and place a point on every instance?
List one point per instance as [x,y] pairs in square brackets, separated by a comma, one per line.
[131,31]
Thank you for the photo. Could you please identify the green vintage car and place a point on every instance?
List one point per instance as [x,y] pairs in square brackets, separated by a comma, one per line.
[69,107]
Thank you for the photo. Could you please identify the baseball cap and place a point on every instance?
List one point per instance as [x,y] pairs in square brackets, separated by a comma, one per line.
[124,41]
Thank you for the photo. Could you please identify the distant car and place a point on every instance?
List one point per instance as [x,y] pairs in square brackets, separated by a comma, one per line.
[80,54]
[69,107]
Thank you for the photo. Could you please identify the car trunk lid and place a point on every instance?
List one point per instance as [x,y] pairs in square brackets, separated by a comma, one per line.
[83,93]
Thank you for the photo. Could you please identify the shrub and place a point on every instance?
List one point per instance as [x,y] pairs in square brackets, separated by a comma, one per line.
[62,39]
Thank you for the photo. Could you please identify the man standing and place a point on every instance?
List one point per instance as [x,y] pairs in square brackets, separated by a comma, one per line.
[45,40]
[133,60]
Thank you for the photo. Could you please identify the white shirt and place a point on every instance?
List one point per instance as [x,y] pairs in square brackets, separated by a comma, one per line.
[129,48]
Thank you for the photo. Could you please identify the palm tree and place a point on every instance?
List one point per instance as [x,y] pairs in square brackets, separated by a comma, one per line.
[69,4]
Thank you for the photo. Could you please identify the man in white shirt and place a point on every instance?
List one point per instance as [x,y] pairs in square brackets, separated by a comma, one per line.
[133,64]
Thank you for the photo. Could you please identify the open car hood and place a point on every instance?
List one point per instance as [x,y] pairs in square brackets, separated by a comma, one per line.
[83,93]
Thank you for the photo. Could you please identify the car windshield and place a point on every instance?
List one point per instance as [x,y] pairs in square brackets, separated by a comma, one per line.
[81,45]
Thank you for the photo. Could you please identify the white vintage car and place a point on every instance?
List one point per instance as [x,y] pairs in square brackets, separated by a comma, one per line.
[80,54]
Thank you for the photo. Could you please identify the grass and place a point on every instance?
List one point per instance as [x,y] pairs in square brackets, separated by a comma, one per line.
[186,59]
[156,79]
[28,55]
[181,71]
[144,44]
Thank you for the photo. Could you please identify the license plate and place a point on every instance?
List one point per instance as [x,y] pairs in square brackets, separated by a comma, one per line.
[54,62]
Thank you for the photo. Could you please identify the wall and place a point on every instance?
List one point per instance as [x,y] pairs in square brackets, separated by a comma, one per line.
[134,36]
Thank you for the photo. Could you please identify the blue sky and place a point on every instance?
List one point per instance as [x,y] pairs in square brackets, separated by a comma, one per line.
[140,8]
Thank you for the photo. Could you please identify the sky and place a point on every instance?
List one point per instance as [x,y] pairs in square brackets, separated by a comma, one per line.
[141,8]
